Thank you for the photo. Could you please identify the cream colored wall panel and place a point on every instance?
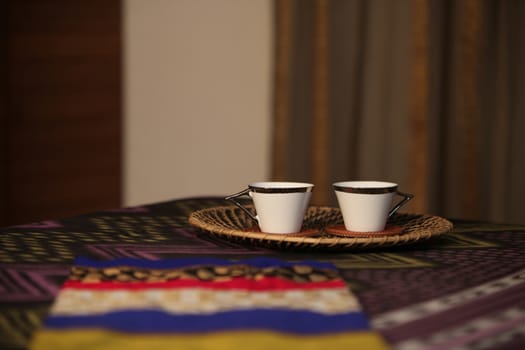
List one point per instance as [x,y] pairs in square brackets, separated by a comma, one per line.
[197,97]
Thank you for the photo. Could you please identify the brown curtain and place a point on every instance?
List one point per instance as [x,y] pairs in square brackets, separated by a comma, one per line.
[425,93]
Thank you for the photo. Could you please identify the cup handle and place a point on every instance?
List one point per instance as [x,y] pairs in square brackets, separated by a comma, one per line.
[240,194]
[407,197]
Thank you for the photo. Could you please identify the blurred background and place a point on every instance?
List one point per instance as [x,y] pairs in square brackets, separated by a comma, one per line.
[107,103]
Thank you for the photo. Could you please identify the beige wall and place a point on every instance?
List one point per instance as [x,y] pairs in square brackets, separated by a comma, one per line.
[197,97]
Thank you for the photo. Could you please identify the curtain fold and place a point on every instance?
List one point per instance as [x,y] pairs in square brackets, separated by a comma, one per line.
[419,124]
[320,98]
[281,106]
[425,93]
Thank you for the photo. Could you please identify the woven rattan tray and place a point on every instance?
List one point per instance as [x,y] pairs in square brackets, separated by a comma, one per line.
[233,224]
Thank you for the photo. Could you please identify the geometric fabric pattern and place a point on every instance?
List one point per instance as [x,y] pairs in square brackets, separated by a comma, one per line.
[464,289]
[471,317]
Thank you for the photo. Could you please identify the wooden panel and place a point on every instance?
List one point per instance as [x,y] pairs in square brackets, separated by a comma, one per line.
[3,110]
[63,148]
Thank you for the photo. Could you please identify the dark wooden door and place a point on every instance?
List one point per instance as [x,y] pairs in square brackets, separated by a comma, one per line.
[60,108]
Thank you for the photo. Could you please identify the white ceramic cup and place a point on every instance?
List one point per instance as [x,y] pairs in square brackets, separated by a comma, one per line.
[280,206]
[367,205]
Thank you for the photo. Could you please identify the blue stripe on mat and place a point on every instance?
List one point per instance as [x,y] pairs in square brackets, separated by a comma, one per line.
[150,321]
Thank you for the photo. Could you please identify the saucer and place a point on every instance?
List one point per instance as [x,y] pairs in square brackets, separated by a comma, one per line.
[340,230]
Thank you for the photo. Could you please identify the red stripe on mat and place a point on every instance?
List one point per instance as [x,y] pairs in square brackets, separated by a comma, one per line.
[270,283]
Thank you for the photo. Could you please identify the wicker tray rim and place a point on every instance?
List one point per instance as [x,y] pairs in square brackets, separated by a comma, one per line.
[206,219]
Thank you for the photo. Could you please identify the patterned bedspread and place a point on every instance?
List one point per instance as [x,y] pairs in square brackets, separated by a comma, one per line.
[109,275]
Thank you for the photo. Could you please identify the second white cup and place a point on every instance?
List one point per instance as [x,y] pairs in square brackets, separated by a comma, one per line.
[367,205]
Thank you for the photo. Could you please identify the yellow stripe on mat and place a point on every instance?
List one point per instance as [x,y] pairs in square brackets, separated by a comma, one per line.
[102,339]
